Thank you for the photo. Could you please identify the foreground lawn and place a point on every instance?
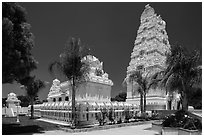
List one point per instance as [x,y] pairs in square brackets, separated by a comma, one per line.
[26,126]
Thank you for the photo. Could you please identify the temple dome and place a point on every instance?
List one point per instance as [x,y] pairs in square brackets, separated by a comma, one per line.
[56,82]
[12,95]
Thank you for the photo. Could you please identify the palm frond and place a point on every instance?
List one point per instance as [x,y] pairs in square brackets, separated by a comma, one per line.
[71,64]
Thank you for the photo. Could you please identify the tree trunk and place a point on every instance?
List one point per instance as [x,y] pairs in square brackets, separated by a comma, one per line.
[144,102]
[184,97]
[32,109]
[141,102]
[184,102]
[132,89]
[73,105]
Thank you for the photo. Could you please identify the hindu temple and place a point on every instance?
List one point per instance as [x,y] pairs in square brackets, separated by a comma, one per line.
[149,56]
[92,97]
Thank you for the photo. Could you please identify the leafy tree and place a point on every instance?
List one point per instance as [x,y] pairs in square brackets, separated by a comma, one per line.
[182,72]
[25,101]
[121,97]
[72,66]
[37,100]
[33,86]
[17,42]
[195,98]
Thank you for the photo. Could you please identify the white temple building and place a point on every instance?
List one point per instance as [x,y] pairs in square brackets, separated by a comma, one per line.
[149,56]
[92,97]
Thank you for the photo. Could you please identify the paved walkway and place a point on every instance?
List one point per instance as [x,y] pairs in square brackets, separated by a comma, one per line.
[54,121]
[129,130]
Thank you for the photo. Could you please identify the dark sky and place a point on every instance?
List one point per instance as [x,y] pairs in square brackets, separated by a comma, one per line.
[108,29]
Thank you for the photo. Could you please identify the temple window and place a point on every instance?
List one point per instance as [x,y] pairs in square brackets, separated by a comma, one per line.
[66,98]
[87,114]
[54,99]
[142,52]
[140,67]
[144,28]
[60,99]
[98,72]
[165,41]
[143,39]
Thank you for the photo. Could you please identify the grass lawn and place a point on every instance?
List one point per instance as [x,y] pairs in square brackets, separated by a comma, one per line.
[26,126]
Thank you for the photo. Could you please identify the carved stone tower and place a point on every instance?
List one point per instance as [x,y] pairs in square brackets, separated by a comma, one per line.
[149,55]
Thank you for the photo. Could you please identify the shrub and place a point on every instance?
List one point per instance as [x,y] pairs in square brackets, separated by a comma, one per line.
[110,116]
[119,121]
[127,115]
[182,119]
[101,117]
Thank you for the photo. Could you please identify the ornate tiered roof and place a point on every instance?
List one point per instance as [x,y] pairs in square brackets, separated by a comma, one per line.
[96,74]
[151,44]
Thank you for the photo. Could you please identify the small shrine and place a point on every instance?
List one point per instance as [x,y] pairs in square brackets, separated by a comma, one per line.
[12,100]
[13,105]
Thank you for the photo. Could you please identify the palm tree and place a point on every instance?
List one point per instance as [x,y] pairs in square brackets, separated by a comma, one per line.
[72,66]
[134,77]
[144,84]
[33,86]
[182,72]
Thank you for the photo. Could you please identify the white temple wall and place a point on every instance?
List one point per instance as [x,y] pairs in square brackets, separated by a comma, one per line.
[94,89]
[129,91]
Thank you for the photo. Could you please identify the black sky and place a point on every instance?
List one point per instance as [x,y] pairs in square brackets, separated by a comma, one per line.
[108,29]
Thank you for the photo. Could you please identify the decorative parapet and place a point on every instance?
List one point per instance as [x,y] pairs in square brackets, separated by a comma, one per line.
[95,98]
[97,73]
[101,80]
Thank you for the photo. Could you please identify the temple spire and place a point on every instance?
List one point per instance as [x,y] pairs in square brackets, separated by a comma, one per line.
[151,44]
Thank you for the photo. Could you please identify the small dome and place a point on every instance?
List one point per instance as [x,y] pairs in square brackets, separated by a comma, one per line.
[11,94]
[90,58]
[56,82]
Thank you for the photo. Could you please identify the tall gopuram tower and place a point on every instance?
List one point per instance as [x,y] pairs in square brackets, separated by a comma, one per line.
[149,56]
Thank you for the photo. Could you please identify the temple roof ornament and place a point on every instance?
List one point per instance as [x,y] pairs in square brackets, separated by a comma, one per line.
[97,73]
[12,97]
[148,12]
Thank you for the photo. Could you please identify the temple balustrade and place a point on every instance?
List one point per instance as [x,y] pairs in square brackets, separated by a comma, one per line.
[85,111]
